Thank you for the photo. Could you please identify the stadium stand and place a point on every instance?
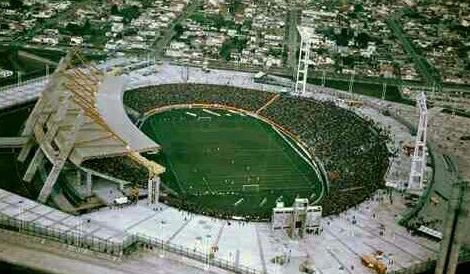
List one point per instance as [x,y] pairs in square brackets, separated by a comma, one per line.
[145,99]
[121,167]
[352,149]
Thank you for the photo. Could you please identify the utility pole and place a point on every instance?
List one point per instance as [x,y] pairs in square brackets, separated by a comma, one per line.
[184,73]
[19,77]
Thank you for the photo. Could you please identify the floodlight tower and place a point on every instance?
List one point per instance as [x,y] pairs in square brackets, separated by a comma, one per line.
[418,162]
[306,35]
[184,73]
[384,91]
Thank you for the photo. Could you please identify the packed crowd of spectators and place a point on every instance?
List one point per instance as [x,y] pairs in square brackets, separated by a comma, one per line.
[145,99]
[352,149]
[121,167]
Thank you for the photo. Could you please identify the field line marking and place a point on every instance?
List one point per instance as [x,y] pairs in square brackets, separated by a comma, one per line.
[298,152]
[295,149]
[211,112]
[312,164]
[191,114]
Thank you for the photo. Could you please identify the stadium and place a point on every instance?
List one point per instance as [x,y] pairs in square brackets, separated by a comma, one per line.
[174,162]
[230,153]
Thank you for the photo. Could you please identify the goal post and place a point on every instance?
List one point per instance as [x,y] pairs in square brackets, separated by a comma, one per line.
[204,118]
[250,188]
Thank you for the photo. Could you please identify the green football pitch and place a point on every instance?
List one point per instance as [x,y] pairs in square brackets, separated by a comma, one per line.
[229,164]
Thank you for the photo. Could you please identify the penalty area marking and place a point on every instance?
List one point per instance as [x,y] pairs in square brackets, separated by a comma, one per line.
[191,114]
[204,118]
[250,188]
[263,202]
[238,202]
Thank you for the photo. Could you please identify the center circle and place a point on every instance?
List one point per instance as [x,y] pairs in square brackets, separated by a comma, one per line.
[228,163]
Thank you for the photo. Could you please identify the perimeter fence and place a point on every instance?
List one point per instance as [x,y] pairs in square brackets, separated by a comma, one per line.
[24,83]
[118,247]
[208,257]
[70,237]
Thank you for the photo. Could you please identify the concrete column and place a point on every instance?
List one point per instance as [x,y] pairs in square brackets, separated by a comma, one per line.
[78,177]
[150,192]
[33,165]
[50,181]
[89,183]
[153,190]
[25,150]
[157,189]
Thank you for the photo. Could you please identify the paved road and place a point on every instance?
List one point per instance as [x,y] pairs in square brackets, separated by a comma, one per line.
[427,71]
[292,43]
[161,43]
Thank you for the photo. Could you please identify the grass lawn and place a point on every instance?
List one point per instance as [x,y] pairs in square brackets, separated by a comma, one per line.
[210,158]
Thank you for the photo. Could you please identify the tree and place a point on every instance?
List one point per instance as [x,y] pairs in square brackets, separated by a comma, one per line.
[179,30]
[234,6]
[114,10]
[130,13]
[226,49]
[16,4]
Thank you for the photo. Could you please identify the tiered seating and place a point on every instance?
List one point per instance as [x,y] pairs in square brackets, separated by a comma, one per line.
[121,167]
[352,149]
[145,99]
